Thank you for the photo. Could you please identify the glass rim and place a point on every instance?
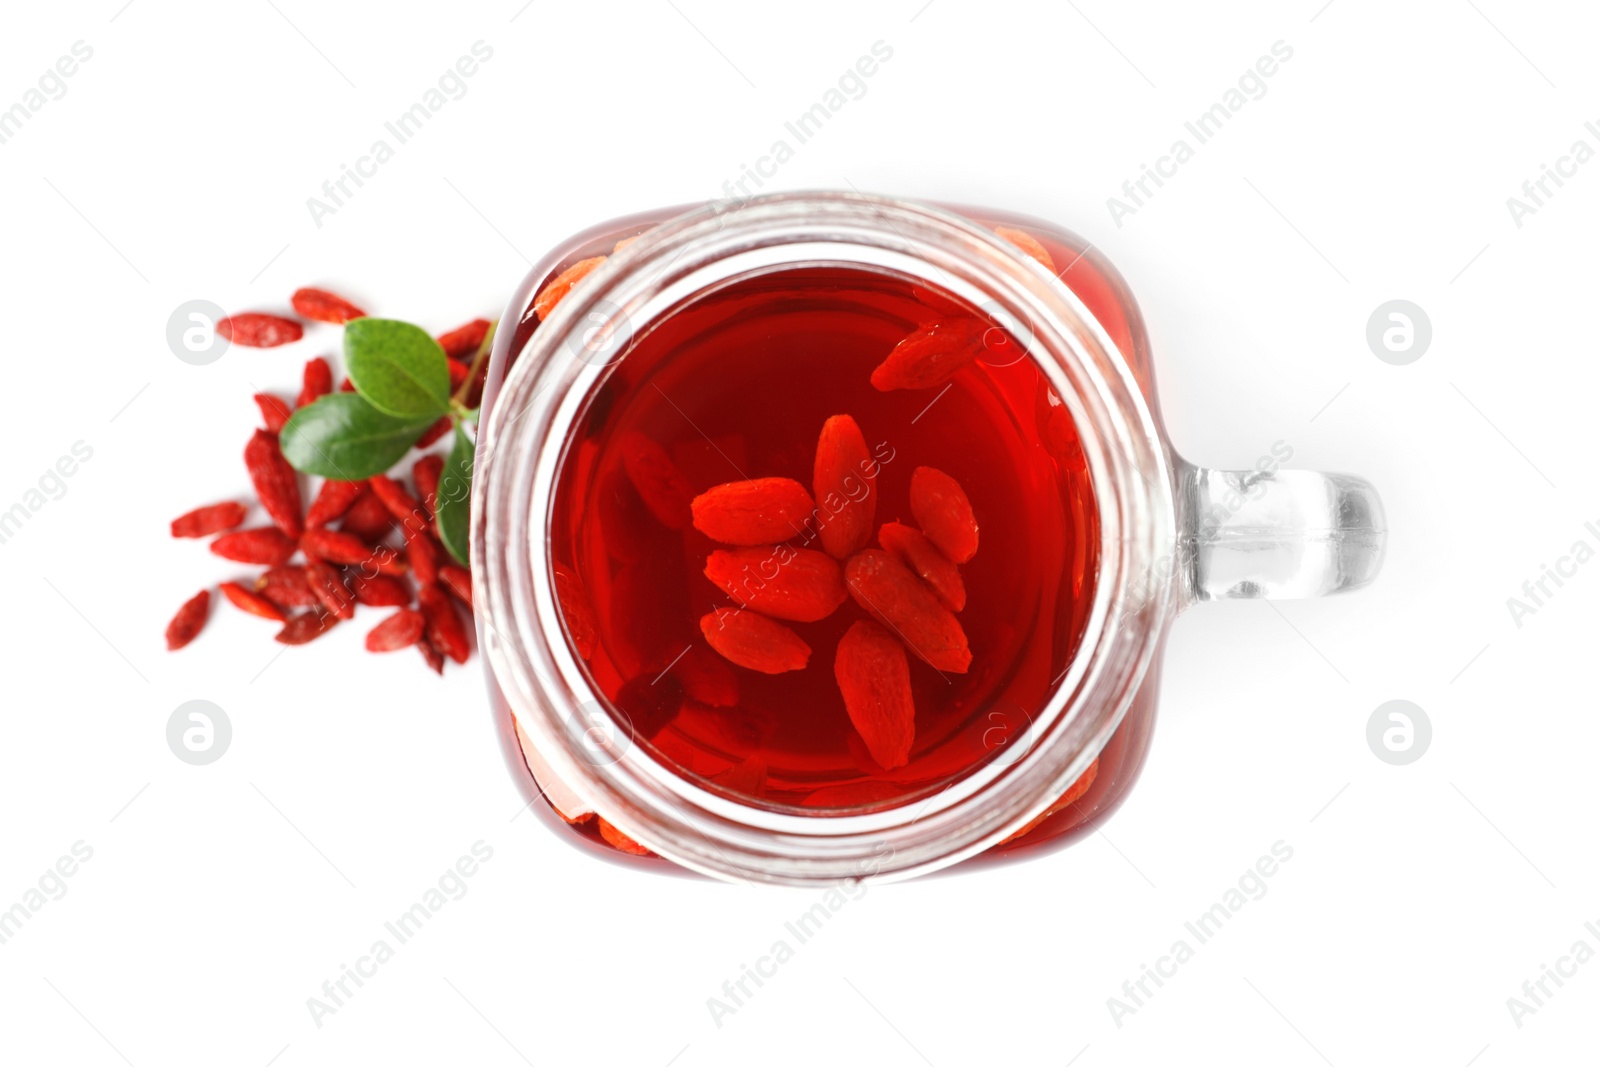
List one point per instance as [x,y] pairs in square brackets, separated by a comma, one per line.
[524,439]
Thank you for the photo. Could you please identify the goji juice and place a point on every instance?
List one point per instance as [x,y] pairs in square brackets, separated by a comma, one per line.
[736,385]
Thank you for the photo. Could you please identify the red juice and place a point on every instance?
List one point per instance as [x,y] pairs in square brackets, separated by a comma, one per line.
[736,384]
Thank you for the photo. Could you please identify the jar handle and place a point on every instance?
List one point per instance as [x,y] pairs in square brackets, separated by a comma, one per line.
[1277,534]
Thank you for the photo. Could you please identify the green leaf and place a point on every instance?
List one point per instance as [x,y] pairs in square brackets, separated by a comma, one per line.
[397,367]
[452,510]
[342,436]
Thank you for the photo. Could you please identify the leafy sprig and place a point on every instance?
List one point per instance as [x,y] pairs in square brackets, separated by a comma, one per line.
[402,388]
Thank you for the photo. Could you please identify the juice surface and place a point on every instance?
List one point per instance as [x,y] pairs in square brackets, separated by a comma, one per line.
[737,385]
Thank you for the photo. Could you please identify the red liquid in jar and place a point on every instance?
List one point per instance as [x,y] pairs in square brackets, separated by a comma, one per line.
[737,384]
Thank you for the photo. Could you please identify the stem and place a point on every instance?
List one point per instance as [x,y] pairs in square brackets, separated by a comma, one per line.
[459,398]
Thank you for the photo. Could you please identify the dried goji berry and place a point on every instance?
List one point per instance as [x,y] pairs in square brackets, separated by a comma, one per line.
[347,386]
[706,678]
[886,589]
[757,512]
[432,434]
[843,479]
[576,610]
[458,580]
[189,621]
[754,641]
[425,475]
[315,382]
[254,329]
[1072,795]
[621,841]
[335,546]
[330,587]
[285,585]
[463,342]
[306,626]
[423,556]
[400,630]
[1029,244]
[400,503]
[213,518]
[277,486]
[458,373]
[432,656]
[931,355]
[798,584]
[562,284]
[910,547]
[380,590]
[254,603]
[944,513]
[319,305]
[445,629]
[871,669]
[332,501]
[367,518]
[266,545]
[661,485]
[274,412]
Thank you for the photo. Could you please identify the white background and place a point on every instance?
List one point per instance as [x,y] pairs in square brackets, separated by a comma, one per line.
[1377,166]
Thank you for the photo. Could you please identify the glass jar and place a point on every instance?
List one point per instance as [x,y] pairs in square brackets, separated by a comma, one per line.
[1165,534]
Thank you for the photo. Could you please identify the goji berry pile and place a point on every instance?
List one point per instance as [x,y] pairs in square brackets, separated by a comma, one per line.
[370,542]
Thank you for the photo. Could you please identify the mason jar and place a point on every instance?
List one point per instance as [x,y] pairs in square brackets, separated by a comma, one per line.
[1098,535]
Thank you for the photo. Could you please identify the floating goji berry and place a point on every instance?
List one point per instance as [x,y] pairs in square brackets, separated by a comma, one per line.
[285,585]
[254,329]
[254,603]
[910,547]
[931,355]
[213,518]
[621,841]
[706,678]
[380,590]
[319,305]
[576,610]
[432,434]
[754,641]
[661,485]
[944,513]
[624,243]
[1074,793]
[266,545]
[400,630]
[316,381]
[463,342]
[367,518]
[458,580]
[886,589]
[306,626]
[748,776]
[1029,244]
[425,475]
[330,587]
[757,512]
[274,412]
[332,501]
[189,621]
[277,485]
[845,490]
[562,284]
[445,630]
[871,669]
[798,584]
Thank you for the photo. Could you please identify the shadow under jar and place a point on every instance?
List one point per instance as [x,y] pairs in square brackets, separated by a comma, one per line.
[779,703]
